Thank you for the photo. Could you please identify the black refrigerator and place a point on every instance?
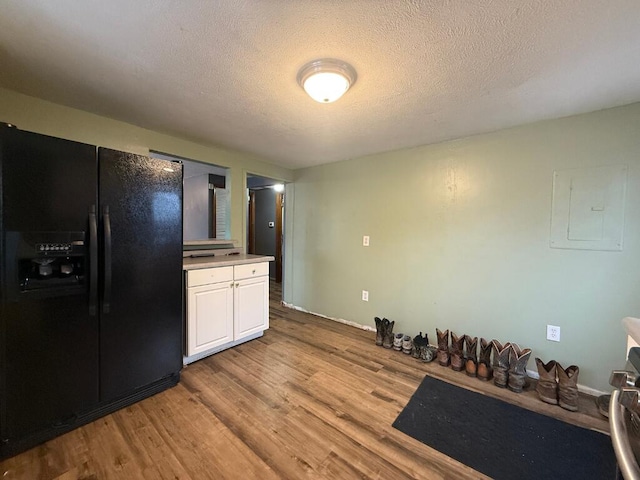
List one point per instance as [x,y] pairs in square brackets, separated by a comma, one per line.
[90,283]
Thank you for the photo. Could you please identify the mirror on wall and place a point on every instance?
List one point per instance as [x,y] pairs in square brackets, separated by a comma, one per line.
[206,200]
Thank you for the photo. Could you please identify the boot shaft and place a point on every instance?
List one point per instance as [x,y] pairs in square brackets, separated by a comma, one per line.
[518,359]
[471,347]
[501,354]
[387,340]
[379,331]
[485,352]
[547,386]
[443,339]
[457,356]
[568,387]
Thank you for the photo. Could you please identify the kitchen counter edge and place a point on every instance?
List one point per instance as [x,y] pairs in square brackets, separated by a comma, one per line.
[195,263]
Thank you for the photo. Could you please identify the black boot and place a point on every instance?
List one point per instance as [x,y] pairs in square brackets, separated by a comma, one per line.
[387,341]
[379,331]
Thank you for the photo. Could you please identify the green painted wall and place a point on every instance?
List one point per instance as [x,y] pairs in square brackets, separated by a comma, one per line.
[460,240]
[36,115]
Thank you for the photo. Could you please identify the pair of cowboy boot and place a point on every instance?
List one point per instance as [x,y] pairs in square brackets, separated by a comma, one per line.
[557,385]
[510,365]
[384,332]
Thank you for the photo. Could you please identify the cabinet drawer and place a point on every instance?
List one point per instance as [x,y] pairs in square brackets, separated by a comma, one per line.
[251,270]
[209,275]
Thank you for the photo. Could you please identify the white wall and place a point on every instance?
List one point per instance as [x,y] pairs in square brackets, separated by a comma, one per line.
[460,240]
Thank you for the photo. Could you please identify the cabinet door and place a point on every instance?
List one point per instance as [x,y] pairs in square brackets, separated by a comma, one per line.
[209,317]
[251,306]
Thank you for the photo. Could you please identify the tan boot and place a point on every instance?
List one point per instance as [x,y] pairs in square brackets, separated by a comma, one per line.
[457,356]
[471,363]
[568,387]
[443,347]
[547,387]
[485,372]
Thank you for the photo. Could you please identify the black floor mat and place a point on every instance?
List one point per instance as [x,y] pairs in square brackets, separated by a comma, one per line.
[502,440]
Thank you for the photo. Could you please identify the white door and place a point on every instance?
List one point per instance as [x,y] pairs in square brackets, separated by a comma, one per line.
[251,306]
[209,317]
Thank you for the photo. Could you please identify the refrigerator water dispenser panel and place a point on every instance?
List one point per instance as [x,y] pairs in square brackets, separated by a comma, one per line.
[46,263]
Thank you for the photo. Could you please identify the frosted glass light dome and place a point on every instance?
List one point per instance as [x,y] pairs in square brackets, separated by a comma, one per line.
[326,80]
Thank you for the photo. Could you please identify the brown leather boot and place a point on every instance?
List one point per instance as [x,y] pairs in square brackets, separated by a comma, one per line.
[501,363]
[471,363]
[457,356]
[547,387]
[443,347]
[518,367]
[485,372]
[568,387]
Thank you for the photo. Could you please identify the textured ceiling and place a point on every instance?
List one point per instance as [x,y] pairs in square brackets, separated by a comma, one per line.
[224,72]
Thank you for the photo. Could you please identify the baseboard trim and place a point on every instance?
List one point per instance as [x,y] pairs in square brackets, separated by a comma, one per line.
[339,320]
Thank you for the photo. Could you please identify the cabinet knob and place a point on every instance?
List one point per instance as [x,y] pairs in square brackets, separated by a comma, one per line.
[237,285]
[231,285]
[253,272]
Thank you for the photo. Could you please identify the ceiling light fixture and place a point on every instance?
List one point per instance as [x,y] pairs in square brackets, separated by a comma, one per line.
[326,80]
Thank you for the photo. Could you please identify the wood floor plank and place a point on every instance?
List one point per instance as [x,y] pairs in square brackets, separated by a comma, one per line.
[311,399]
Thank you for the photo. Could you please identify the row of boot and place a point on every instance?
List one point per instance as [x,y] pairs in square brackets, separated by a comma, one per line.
[557,385]
[508,368]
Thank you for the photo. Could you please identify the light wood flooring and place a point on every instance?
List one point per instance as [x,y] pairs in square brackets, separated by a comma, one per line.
[312,399]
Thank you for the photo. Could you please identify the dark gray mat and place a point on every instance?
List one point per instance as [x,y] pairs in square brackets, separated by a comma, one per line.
[502,440]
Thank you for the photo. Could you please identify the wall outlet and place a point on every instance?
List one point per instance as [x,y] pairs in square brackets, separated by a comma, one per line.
[553,333]
[365,241]
[365,296]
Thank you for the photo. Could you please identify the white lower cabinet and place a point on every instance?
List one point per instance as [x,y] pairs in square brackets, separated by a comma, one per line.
[250,307]
[225,306]
[210,317]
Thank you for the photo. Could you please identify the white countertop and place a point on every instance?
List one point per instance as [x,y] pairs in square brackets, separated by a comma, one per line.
[193,263]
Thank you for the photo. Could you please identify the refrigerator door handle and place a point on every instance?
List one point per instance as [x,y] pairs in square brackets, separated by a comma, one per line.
[106,295]
[93,261]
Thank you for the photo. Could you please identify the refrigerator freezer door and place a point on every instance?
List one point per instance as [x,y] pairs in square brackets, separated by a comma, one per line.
[49,342]
[141,331]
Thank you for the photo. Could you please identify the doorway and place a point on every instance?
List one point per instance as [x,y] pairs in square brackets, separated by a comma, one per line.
[266,201]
